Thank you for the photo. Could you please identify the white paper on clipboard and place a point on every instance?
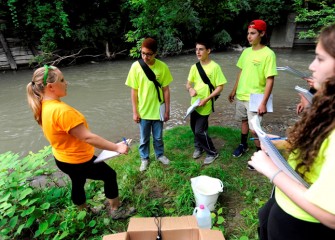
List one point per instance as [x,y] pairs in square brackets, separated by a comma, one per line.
[255,101]
[106,154]
[162,109]
[192,108]
[307,94]
[293,72]
[274,154]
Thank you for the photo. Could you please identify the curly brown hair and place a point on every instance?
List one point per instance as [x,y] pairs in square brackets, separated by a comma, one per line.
[315,125]
[318,122]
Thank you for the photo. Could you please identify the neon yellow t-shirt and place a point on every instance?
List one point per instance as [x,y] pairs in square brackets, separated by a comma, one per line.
[321,175]
[148,104]
[256,66]
[217,78]
[58,119]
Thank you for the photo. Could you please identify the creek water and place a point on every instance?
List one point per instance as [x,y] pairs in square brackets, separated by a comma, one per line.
[99,92]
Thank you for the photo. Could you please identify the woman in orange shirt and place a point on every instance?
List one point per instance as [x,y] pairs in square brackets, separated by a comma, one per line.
[72,142]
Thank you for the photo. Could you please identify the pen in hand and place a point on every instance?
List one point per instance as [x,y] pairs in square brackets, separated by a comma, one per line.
[127,142]
[273,138]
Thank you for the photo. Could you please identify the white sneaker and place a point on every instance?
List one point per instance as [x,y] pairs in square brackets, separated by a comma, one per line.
[163,160]
[144,165]
[210,158]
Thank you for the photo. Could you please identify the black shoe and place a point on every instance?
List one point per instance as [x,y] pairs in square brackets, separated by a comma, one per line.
[240,150]
[251,168]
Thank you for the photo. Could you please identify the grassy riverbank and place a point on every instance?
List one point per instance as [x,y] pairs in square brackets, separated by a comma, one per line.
[161,190]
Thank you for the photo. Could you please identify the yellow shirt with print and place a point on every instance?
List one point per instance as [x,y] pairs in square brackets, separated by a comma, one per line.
[148,103]
[256,66]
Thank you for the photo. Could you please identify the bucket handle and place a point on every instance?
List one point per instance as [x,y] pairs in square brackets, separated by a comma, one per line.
[221,184]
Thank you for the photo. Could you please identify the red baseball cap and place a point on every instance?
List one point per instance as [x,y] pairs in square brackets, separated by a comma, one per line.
[258,24]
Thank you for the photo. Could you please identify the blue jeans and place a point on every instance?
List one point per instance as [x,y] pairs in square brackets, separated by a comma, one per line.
[146,126]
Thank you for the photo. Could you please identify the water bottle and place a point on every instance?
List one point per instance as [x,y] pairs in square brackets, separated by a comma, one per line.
[203,216]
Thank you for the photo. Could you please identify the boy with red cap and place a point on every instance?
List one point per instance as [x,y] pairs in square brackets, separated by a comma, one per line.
[148,92]
[257,71]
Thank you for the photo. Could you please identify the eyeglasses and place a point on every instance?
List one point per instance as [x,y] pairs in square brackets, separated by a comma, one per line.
[147,54]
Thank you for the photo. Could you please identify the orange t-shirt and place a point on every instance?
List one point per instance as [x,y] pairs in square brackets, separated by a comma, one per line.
[58,119]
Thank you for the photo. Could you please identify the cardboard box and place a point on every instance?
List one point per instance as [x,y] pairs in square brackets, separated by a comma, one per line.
[173,228]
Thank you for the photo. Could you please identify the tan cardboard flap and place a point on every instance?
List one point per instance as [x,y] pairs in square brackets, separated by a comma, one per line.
[181,228]
[173,228]
[117,236]
[185,222]
[142,228]
[207,234]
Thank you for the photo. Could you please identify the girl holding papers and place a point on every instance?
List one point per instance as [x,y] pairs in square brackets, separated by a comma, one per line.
[72,142]
[296,212]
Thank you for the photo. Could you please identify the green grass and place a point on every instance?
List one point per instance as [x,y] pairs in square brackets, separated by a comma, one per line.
[159,191]
[166,190]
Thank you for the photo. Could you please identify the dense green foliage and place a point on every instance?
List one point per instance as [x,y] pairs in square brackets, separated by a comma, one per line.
[28,211]
[315,14]
[108,27]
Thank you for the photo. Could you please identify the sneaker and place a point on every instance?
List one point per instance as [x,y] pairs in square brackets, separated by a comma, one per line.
[197,153]
[163,160]
[121,213]
[240,150]
[251,168]
[144,165]
[210,158]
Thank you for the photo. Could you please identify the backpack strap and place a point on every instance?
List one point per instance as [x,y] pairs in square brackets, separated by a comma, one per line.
[207,81]
[151,76]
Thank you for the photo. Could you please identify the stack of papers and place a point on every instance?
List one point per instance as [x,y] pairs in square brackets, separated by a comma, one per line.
[192,108]
[162,109]
[293,72]
[255,101]
[307,94]
[274,154]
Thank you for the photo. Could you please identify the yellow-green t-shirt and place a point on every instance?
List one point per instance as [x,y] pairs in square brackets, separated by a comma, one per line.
[148,103]
[256,66]
[217,78]
[58,119]
[321,175]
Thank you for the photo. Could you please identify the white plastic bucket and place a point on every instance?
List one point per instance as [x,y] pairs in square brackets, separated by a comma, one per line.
[206,190]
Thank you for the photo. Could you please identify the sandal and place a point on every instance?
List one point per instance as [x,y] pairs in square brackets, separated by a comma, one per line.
[121,213]
[107,206]
[93,210]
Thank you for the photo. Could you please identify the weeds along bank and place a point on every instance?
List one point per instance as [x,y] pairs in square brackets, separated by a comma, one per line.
[48,213]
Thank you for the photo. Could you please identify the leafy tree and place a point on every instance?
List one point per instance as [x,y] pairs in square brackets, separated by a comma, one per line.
[221,19]
[167,21]
[316,14]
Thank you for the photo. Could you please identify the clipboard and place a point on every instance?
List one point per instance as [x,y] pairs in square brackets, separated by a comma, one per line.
[106,154]
[293,72]
[162,109]
[274,154]
[192,108]
[255,101]
[307,94]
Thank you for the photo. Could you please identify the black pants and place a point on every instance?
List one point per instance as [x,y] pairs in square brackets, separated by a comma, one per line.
[78,174]
[275,224]
[199,126]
